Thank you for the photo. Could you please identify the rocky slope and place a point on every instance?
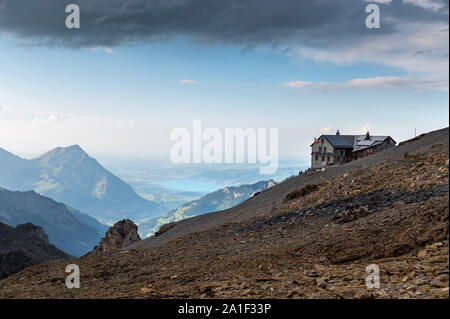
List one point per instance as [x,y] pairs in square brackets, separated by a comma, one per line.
[24,246]
[266,202]
[68,229]
[71,176]
[309,237]
[221,199]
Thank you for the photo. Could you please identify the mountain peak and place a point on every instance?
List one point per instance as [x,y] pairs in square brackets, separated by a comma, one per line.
[72,150]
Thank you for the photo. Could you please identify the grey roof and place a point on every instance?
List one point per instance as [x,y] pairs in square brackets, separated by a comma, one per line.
[355,142]
[362,143]
[341,141]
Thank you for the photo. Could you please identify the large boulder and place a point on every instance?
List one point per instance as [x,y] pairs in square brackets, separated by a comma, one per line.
[121,235]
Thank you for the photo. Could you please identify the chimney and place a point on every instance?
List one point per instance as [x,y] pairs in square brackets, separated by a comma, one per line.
[338,133]
[367,136]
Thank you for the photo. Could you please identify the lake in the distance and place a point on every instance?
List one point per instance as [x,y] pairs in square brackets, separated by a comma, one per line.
[186,185]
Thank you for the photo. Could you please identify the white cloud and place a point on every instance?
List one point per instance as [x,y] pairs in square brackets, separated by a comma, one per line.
[102,49]
[51,118]
[365,128]
[298,84]
[127,124]
[378,1]
[324,130]
[110,51]
[361,131]
[419,49]
[54,117]
[372,83]
[190,82]
[427,4]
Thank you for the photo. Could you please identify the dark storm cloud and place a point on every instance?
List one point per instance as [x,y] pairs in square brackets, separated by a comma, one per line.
[247,23]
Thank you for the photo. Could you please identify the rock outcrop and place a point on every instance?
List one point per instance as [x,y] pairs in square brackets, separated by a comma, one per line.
[24,246]
[164,228]
[121,235]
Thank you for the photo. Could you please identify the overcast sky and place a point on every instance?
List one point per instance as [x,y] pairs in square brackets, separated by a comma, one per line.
[137,69]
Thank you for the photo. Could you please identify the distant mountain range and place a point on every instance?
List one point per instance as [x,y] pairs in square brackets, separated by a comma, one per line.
[69,175]
[218,200]
[24,246]
[68,229]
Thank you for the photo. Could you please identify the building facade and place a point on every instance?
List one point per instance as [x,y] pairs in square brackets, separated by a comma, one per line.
[339,149]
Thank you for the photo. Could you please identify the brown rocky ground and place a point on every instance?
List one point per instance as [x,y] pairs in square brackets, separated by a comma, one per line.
[391,211]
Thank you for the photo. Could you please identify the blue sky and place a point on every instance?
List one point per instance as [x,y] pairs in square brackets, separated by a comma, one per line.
[125,99]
